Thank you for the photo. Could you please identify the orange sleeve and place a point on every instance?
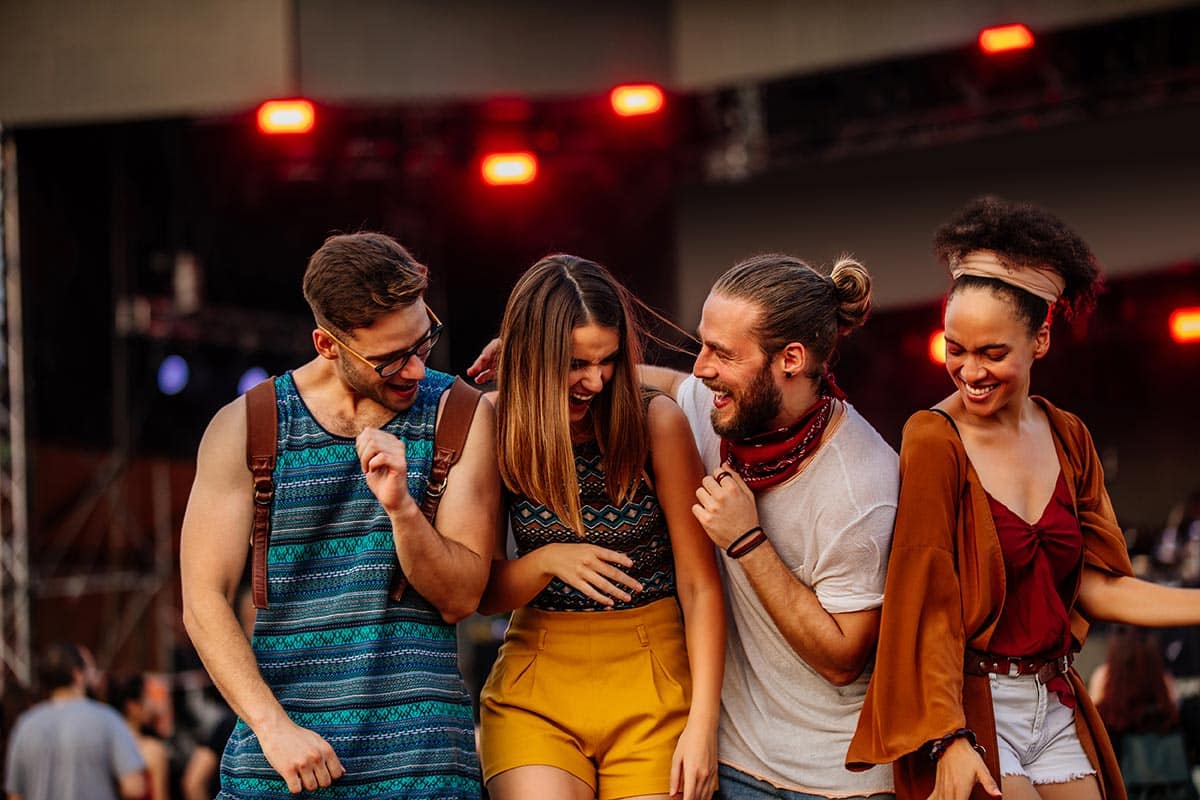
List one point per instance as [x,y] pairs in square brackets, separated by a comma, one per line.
[1104,546]
[915,693]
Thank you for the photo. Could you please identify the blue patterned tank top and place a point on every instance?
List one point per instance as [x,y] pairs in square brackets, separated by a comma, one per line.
[378,679]
[637,528]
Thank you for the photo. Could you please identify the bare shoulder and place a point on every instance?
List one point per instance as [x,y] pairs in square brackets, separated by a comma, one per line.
[485,414]
[481,436]
[153,749]
[224,440]
[664,417]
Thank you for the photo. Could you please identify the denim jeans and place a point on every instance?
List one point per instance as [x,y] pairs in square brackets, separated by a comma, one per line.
[737,785]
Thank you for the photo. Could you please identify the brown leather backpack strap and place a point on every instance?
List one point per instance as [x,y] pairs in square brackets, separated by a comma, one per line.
[449,441]
[261,443]
[448,444]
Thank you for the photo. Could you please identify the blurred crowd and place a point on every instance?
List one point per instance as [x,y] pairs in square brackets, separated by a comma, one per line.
[1147,691]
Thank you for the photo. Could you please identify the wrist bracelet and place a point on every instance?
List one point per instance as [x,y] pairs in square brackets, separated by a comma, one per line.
[938,747]
[746,542]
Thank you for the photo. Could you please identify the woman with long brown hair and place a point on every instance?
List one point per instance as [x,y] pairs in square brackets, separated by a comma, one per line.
[602,687]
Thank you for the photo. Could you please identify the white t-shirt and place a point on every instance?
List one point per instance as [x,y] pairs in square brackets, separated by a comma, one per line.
[832,526]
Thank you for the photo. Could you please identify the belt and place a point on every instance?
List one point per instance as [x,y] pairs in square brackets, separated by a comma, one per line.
[1046,669]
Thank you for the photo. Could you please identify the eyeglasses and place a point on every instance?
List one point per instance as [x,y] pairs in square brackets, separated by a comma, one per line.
[396,363]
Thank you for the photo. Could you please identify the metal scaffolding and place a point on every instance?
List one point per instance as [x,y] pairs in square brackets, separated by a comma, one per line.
[15,656]
[127,595]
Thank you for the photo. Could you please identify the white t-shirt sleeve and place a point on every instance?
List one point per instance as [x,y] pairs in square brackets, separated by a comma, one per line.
[851,572]
[695,399]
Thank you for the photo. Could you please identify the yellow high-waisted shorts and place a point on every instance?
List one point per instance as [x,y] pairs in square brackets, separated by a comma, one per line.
[602,695]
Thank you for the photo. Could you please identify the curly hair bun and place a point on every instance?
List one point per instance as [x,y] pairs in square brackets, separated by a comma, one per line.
[1024,234]
[852,290]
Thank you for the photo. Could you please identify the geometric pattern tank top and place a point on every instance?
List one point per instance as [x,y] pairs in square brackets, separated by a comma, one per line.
[637,528]
[378,679]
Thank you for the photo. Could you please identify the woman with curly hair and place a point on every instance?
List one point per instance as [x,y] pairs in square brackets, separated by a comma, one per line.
[1006,546]
[608,682]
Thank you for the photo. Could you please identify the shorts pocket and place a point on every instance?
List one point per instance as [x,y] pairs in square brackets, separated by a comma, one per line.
[512,676]
[670,670]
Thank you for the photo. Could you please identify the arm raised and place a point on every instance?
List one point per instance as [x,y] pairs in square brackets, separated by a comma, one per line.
[447,562]
[662,378]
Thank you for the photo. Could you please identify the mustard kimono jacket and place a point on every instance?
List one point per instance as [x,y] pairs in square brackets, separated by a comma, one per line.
[945,592]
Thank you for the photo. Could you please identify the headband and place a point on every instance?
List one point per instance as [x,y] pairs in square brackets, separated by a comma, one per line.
[1040,280]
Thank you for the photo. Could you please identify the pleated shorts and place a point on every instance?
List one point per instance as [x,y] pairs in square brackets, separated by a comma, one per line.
[603,695]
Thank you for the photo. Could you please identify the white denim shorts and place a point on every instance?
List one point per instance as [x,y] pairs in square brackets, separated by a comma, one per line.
[1035,732]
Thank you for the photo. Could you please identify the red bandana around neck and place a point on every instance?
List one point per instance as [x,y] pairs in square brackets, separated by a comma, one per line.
[768,459]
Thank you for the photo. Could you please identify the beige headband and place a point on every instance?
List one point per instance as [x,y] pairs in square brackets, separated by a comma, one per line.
[1042,281]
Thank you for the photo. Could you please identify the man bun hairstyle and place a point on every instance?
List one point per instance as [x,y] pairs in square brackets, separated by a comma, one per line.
[1023,235]
[852,291]
[355,278]
[799,304]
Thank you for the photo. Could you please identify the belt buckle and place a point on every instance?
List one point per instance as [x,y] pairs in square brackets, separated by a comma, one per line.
[1014,668]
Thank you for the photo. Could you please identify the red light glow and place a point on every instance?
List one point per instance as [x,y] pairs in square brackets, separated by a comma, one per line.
[509,169]
[937,347]
[637,99]
[1005,38]
[286,116]
[1185,325]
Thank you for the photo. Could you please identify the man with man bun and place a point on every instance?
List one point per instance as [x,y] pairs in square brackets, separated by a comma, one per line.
[801,497]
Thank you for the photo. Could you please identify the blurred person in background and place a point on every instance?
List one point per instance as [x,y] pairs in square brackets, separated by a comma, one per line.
[601,689]
[128,696]
[70,747]
[1006,545]
[1178,546]
[1133,694]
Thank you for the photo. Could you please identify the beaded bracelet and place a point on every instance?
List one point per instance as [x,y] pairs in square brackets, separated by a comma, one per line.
[746,542]
[937,748]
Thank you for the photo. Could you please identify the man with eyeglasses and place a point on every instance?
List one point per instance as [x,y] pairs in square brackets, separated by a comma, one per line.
[342,683]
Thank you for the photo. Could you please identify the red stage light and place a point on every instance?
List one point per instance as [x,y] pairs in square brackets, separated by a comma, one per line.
[286,116]
[937,347]
[507,169]
[1005,38]
[1185,325]
[636,99]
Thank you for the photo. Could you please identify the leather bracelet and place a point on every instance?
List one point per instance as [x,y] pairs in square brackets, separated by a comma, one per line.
[938,747]
[746,542]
